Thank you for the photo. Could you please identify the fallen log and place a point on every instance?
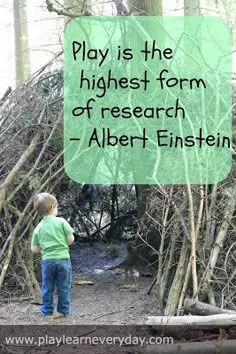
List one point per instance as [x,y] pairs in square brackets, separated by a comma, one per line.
[224,347]
[192,322]
[202,309]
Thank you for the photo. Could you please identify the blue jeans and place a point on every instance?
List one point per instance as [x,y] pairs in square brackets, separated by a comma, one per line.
[56,273]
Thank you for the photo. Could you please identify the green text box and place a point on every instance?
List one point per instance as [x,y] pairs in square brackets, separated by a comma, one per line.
[147,100]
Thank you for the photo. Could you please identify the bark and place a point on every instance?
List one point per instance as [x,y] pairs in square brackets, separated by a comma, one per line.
[153,7]
[142,191]
[219,242]
[146,7]
[113,203]
[191,7]
[202,309]
[166,272]
[5,96]
[211,219]
[188,271]
[177,284]
[20,163]
[160,293]
[192,322]
[22,53]
[193,243]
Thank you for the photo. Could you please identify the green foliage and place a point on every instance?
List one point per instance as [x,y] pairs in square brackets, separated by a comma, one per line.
[113,249]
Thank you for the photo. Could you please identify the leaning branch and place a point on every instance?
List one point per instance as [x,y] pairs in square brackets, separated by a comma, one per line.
[21,162]
[64,12]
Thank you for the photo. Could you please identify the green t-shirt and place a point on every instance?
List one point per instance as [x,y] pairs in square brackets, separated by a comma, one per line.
[51,236]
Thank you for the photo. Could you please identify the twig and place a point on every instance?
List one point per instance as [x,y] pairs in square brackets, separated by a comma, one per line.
[107,313]
[122,8]
[63,12]
[113,312]
[152,285]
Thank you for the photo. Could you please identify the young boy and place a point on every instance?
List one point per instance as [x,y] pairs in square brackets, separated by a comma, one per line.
[52,238]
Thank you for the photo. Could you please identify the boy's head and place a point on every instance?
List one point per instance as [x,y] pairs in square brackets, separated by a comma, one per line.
[45,204]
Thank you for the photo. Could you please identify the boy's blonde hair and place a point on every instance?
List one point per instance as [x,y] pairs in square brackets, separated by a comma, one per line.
[44,203]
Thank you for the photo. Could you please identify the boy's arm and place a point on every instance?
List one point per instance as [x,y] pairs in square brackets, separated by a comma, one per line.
[68,232]
[35,249]
[35,244]
[70,239]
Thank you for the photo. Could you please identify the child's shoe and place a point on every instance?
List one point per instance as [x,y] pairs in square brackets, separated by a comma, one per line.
[58,315]
[47,315]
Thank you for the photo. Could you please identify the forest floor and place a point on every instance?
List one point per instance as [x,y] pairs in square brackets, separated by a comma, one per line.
[114,298]
[114,307]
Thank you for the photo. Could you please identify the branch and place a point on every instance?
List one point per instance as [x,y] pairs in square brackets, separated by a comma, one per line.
[18,166]
[6,94]
[63,12]
[202,309]
[122,9]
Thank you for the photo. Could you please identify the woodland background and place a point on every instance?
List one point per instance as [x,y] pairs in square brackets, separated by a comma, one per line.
[185,234]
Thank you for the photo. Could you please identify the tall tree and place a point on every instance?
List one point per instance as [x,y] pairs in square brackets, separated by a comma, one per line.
[147,7]
[191,7]
[22,53]
[152,8]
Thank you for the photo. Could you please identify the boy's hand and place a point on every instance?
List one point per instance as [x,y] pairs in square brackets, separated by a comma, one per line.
[70,239]
[35,249]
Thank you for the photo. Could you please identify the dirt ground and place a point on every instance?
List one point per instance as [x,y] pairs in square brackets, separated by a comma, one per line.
[115,305]
[111,302]
[115,298]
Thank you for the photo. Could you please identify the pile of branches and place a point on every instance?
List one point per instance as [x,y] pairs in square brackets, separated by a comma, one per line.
[196,253]
[190,232]
[30,161]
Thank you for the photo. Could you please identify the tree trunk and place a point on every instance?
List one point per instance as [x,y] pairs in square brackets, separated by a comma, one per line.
[22,53]
[146,7]
[113,204]
[191,8]
[153,7]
